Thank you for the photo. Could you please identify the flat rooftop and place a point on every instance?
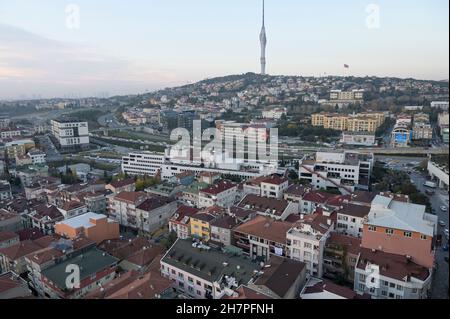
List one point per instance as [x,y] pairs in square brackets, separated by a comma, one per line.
[83,221]
[210,264]
[90,262]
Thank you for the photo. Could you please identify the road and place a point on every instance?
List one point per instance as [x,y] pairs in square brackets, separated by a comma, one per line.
[441,276]
[440,198]
[53,154]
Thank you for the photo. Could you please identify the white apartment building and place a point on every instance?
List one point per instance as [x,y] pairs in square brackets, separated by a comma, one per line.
[274,114]
[10,134]
[345,171]
[306,243]
[350,219]
[37,156]
[144,163]
[223,194]
[71,133]
[122,207]
[350,96]
[396,277]
[272,186]
[440,104]
[170,170]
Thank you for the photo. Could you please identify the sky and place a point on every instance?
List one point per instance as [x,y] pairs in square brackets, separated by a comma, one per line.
[59,48]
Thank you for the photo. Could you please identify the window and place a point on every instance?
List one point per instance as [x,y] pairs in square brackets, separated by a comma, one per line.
[389,231]
[384,293]
[307,245]
[361,287]
[423,237]
[392,285]
[407,234]
[362,277]
[199,283]
[385,283]
[372,228]
[391,295]
[399,287]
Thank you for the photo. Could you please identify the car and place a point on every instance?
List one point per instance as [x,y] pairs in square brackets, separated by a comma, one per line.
[442,223]
[445,248]
[444,208]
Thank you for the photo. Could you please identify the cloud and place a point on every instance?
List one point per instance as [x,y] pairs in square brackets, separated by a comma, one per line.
[32,64]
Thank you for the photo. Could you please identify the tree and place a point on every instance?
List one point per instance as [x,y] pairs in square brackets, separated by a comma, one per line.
[170,240]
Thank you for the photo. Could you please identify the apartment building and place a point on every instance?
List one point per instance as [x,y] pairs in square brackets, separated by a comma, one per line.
[262,238]
[401,228]
[340,256]
[122,207]
[306,241]
[70,133]
[351,218]
[180,223]
[94,226]
[98,268]
[199,272]
[18,148]
[422,129]
[274,114]
[344,171]
[5,190]
[154,213]
[124,185]
[143,163]
[384,275]
[347,96]
[222,230]
[361,122]
[201,225]
[223,194]
[278,209]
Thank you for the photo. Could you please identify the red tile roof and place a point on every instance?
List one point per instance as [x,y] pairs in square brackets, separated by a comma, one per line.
[20,249]
[354,210]
[326,285]
[351,244]
[7,235]
[265,227]
[218,188]
[391,265]
[122,183]
[131,197]
[262,204]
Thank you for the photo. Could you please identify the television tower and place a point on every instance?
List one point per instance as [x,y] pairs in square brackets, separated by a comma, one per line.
[263,40]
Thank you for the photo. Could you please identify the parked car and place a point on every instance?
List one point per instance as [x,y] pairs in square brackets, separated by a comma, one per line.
[442,223]
[444,208]
[429,192]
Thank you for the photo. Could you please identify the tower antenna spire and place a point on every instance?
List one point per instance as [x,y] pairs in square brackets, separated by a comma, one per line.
[263,14]
[263,40]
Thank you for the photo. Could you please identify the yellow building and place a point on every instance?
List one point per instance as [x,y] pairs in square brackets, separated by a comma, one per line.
[362,122]
[18,148]
[201,227]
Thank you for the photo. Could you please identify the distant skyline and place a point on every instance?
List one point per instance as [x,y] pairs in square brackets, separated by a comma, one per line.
[129,47]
